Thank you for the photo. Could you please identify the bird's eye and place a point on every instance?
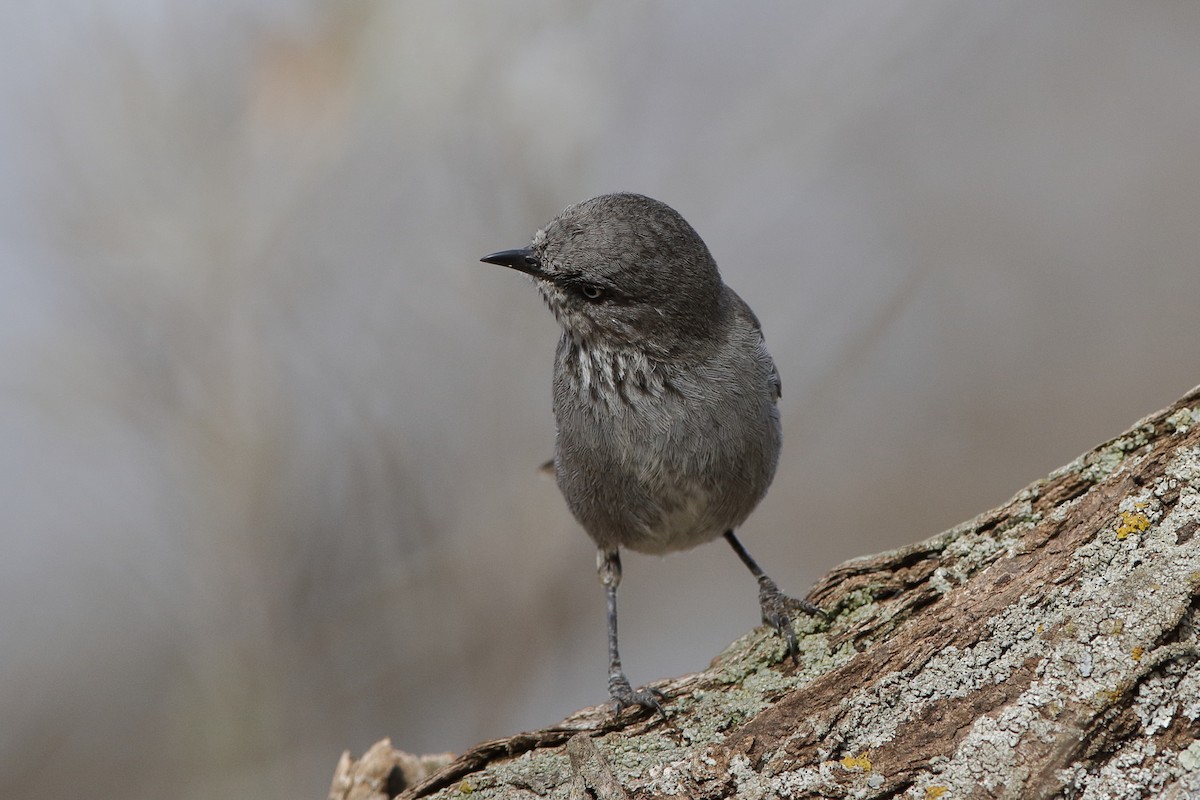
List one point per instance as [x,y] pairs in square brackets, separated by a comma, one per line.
[591,291]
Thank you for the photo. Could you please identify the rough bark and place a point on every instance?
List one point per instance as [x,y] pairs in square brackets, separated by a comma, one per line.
[1046,648]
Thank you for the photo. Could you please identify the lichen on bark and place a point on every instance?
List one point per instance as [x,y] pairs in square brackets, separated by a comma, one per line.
[1045,648]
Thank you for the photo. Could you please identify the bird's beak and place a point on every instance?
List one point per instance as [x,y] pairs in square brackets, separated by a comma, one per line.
[523,260]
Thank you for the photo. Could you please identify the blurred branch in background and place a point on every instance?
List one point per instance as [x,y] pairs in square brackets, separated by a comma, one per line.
[270,433]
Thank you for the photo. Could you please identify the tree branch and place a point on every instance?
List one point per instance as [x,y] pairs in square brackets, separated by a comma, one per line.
[1044,648]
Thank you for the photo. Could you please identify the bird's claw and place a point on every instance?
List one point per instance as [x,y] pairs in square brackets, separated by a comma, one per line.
[624,696]
[777,609]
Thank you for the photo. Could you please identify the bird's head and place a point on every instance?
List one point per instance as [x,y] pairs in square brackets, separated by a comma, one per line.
[623,270]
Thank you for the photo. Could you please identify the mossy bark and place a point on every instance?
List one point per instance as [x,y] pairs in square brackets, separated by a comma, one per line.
[1047,648]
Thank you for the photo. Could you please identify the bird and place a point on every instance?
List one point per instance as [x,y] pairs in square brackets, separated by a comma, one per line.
[664,396]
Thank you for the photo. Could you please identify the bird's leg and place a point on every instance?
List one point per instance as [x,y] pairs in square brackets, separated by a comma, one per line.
[776,606]
[608,564]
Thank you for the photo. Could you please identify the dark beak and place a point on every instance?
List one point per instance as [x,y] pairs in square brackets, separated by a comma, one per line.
[523,260]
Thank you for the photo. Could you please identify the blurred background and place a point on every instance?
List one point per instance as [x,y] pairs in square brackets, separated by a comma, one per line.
[269,433]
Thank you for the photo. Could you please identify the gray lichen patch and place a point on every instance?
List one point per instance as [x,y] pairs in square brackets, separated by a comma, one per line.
[1104,463]
[1105,460]
[967,553]
[1183,419]
[542,773]
[1137,769]
[872,716]
[753,785]
[634,756]
[1099,464]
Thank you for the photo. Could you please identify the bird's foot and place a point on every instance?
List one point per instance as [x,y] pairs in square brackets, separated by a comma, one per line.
[624,695]
[777,609]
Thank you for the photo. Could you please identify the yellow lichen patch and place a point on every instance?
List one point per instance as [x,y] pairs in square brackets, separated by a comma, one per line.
[1137,653]
[1132,523]
[934,792]
[466,788]
[856,762]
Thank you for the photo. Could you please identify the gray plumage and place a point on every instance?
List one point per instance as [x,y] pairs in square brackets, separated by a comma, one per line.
[665,396]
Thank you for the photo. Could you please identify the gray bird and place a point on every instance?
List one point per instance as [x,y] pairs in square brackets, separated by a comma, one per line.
[664,395]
